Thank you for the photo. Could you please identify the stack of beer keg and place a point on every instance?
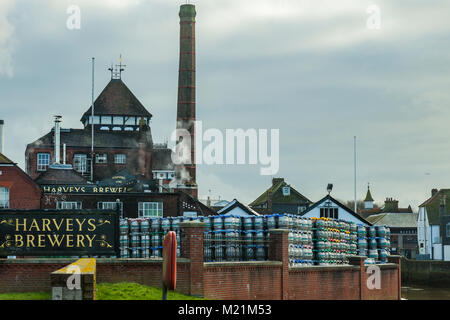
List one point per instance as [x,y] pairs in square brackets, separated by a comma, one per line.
[300,239]
[332,241]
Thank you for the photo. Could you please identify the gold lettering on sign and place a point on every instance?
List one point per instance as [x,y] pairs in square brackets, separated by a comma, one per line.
[34,225]
[24,224]
[18,239]
[80,225]
[30,240]
[45,224]
[91,223]
[69,224]
[56,239]
[56,225]
[90,239]
[80,241]
[41,241]
[69,240]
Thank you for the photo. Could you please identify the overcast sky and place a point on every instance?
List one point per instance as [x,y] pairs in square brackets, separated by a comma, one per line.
[312,69]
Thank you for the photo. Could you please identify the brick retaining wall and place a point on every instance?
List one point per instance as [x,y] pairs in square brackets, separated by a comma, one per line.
[265,280]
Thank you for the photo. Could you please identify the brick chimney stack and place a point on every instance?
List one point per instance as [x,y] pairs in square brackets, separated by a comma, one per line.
[186,173]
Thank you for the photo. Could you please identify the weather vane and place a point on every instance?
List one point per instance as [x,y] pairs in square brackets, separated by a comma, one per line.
[116,72]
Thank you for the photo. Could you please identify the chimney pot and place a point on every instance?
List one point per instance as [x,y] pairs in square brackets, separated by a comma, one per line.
[433,192]
[277,181]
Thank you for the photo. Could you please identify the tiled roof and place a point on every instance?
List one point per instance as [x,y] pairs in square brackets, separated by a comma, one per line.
[394,220]
[368,196]
[433,203]
[117,99]
[60,176]
[5,160]
[277,195]
[233,204]
[82,138]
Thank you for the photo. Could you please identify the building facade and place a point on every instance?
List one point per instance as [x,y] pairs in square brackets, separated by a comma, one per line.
[121,135]
[433,227]
[403,227]
[328,207]
[17,189]
[280,198]
[134,197]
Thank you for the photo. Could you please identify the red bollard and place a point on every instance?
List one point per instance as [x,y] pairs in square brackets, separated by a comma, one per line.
[169,263]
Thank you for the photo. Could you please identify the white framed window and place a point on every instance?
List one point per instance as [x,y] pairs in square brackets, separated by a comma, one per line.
[4,198]
[117,120]
[106,120]
[110,206]
[101,158]
[130,121]
[120,158]
[80,163]
[150,209]
[43,161]
[300,209]
[96,119]
[329,213]
[69,205]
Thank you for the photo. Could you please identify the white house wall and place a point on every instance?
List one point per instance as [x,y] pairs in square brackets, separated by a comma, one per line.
[447,253]
[236,211]
[437,248]
[423,232]
[342,214]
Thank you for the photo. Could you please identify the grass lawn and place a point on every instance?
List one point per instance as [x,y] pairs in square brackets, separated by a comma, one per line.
[109,291]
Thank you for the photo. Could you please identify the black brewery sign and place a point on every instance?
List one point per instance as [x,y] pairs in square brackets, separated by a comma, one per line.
[58,233]
[85,189]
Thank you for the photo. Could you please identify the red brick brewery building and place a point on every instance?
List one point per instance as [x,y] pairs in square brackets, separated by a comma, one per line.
[118,130]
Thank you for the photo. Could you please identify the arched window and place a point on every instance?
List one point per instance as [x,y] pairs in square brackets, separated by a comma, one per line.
[4,197]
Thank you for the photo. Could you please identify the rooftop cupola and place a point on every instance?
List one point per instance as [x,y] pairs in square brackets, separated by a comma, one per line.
[117,108]
[368,201]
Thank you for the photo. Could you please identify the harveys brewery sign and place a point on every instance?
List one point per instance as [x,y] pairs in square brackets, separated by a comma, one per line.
[85,189]
[59,233]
